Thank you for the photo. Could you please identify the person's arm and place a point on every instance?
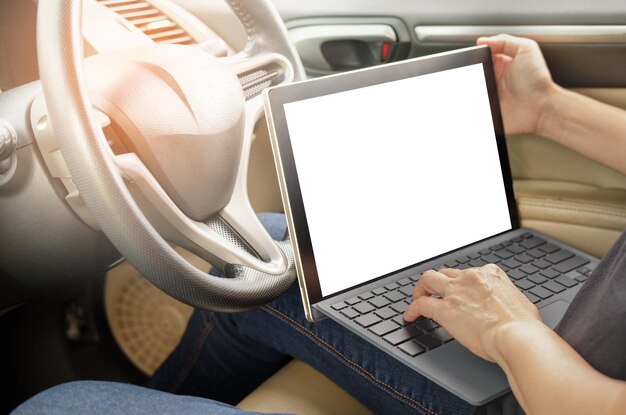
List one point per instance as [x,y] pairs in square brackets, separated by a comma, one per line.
[549,377]
[532,103]
[590,127]
[483,310]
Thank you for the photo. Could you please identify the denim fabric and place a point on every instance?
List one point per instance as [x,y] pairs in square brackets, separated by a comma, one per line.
[109,398]
[225,356]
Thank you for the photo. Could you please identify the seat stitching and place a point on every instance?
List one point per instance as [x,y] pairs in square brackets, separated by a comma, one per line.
[597,209]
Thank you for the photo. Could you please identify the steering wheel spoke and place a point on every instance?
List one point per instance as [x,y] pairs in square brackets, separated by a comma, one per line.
[216,240]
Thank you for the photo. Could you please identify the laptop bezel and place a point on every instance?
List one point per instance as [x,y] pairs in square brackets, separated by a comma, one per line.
[277,97]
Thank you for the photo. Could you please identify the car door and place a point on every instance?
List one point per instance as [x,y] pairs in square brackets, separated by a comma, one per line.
[558,191]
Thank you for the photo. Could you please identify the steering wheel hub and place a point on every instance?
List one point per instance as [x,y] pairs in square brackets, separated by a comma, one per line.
[182,112]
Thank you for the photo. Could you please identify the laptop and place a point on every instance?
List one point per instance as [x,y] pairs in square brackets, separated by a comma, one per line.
[390,171]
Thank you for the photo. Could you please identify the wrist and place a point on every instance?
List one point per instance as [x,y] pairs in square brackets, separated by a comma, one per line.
[509,336]
[549,122]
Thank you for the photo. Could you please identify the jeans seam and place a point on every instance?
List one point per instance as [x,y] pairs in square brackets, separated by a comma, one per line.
[184,373]
[358,368]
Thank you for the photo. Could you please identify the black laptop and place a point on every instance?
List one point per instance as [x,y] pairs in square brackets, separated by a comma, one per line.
[390,171]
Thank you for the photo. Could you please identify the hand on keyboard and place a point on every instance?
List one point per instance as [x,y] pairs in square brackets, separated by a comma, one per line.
[475,303]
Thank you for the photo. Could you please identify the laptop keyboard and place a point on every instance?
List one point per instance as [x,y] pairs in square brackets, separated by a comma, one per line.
[535,266]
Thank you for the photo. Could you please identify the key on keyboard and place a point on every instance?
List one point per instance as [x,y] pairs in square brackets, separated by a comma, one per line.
[532,242]
[570,264]
[412,348]
[426,324]
[402,335]
[380,302]
[554,287]
[441,334]
[567,282]
[428,341]
[559,256]
[363,308]
[367,320]
[394,296]
[386,312]
[383,328]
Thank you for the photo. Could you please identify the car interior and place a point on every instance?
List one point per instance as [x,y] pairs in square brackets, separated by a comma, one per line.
[91,264]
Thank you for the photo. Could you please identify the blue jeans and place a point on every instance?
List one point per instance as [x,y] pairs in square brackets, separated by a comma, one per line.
[223,357]
[110,398]
[226,356]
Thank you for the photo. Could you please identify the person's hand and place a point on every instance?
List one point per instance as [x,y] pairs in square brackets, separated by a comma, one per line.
[475,305]
[524,82]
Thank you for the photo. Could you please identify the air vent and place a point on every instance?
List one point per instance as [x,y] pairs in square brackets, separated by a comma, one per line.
[254,82]
[150,20]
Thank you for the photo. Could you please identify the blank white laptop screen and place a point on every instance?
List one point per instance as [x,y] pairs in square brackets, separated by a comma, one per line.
[397,173]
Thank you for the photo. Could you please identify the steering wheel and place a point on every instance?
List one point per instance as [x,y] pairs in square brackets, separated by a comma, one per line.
[188,129]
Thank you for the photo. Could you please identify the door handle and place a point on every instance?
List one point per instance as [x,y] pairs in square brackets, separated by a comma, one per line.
[326,48]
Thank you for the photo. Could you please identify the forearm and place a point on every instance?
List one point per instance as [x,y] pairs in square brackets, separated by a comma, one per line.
[549,377]
[592,128]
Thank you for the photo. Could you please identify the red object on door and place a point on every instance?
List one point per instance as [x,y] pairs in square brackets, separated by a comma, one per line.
[384,51]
